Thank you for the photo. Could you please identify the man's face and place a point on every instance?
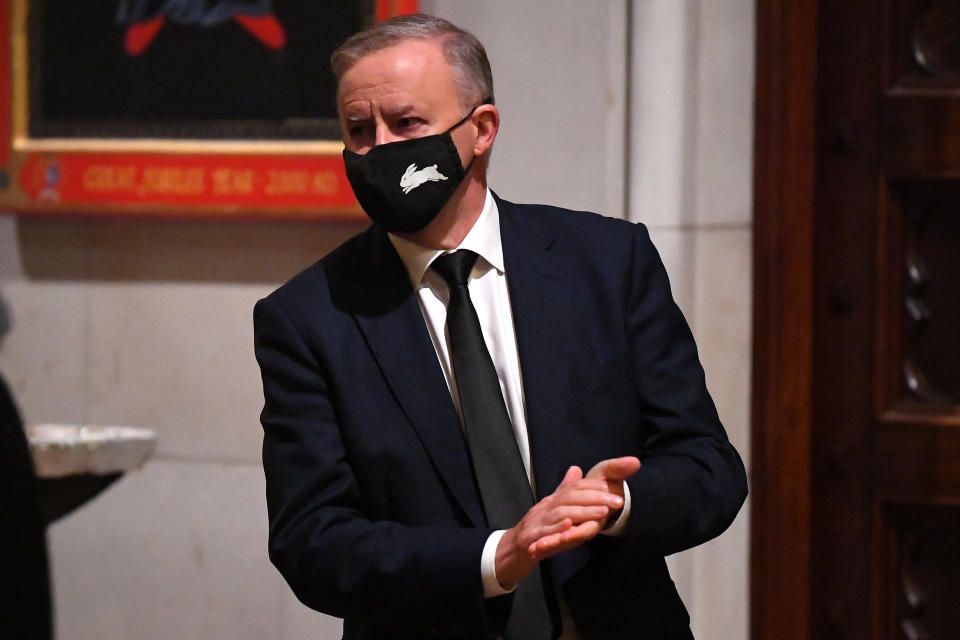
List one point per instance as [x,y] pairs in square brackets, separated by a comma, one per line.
[405,91]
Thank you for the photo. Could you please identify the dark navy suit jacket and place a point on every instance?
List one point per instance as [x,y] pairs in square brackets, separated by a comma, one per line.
[374,514]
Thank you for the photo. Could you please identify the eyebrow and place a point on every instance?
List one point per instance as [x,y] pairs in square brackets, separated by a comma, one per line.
[397,110]
[390,111]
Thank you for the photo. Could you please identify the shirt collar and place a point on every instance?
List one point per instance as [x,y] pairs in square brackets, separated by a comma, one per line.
[483,239]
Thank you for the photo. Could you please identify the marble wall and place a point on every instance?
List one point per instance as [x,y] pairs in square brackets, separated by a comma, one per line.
[690,181]
[147,323]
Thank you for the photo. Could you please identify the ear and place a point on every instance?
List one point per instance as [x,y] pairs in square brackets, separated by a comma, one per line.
[486,118]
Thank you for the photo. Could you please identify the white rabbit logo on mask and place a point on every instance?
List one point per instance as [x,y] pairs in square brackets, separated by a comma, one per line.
[413,178]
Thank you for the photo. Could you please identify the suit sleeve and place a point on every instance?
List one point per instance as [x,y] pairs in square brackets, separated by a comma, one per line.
[335,559]
[692,482]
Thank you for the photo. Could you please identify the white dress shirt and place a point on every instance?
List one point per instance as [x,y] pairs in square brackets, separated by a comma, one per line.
[489,293]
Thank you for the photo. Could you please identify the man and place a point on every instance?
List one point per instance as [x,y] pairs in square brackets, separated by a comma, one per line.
[437,387]
[25,611]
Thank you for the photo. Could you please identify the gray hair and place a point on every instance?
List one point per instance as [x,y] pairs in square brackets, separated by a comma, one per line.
[460,48]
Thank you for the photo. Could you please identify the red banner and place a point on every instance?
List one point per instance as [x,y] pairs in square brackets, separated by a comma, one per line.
[259,181]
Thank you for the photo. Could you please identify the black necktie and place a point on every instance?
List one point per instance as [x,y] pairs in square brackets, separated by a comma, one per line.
[501,478]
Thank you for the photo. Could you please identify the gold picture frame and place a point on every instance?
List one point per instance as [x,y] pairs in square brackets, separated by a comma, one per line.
[217,164]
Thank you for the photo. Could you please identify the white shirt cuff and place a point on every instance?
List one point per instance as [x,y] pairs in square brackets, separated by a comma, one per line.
[620,525]
[488,559]
[488,567]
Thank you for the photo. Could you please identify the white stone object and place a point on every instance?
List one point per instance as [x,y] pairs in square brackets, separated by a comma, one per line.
[60,450]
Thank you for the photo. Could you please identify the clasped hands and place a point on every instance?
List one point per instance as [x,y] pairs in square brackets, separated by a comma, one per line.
[576,512]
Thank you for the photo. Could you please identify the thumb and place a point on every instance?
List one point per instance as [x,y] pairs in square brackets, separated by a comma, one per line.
[616,469]
[573,474]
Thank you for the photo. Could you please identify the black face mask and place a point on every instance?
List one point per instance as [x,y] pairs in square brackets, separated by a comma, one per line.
[403,185]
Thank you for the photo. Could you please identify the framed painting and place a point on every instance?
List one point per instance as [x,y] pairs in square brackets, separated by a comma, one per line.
[210,108]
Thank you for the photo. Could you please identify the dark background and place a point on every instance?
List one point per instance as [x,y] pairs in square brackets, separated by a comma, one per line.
[192,82]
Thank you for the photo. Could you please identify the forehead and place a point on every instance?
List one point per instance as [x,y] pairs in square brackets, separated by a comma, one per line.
[412,70]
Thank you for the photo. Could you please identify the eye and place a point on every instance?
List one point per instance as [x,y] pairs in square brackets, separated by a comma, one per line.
[356,130]
[407,122]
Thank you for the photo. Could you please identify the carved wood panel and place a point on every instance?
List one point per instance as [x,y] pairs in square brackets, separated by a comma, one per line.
[925,42]
[921,554]
[886,391]
[923,265]
[856,378]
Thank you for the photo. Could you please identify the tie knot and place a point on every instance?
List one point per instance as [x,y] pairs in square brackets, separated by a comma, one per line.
[455,267]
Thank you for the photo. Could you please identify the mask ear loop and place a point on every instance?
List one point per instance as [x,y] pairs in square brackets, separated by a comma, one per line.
[486,100]
[470,113]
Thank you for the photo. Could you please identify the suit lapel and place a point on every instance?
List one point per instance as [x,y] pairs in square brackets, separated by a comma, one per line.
[535,275]
[389,316]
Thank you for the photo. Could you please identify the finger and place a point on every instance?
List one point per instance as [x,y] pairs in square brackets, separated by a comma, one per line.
[617,469]
[550,545]
[544,547]
[577,514]
[580,533]
[552,529]
[564,540]
[596,484]
[559,542]
[585,497]
[573,474]
[623,468]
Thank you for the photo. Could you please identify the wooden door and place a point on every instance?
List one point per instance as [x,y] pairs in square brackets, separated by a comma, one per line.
[857,385]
